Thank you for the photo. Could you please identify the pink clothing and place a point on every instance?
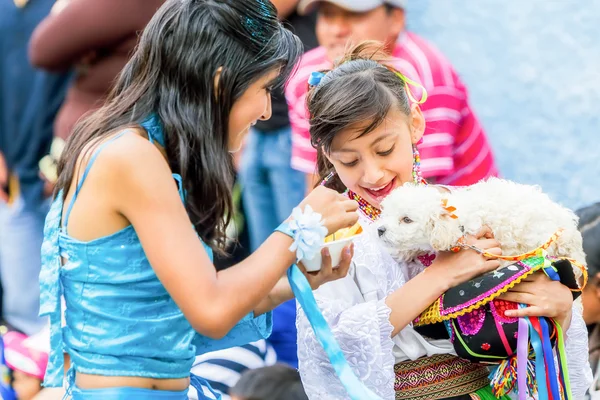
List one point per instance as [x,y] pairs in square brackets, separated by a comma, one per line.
[454,150]
[22,355]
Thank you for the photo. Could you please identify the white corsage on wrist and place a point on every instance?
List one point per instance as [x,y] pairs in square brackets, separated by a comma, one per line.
[307,229]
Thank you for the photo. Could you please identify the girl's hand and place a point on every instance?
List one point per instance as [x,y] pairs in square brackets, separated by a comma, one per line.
[327,273]
[282,292]
[545,297]
[337,210]
[456,268]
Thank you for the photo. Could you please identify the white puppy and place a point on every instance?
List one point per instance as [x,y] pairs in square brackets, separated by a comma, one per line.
[418,219]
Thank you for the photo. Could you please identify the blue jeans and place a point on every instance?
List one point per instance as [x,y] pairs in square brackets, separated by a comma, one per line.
[271,188]
[21,234]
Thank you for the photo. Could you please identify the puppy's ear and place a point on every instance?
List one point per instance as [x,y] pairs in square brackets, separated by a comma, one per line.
[445,231]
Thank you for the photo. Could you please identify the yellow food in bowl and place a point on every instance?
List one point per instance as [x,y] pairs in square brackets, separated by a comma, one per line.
[344,233]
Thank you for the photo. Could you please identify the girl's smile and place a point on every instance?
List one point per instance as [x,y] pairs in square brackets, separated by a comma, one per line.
[382,191]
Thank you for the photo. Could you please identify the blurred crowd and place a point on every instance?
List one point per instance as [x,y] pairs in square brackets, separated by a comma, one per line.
[58,60]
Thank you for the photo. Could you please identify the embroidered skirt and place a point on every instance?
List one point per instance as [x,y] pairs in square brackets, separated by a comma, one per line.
[441,376]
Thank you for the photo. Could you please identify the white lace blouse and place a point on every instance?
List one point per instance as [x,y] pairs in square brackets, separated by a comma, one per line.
[356,311]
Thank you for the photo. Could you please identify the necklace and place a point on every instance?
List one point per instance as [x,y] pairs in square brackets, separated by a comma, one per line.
[367,209]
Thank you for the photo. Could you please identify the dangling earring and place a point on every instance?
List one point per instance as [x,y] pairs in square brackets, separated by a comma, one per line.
[416,172]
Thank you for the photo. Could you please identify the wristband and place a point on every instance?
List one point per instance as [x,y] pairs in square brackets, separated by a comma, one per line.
[307,230]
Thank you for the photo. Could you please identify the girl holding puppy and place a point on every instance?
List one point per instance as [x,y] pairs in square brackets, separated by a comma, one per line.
[366,130]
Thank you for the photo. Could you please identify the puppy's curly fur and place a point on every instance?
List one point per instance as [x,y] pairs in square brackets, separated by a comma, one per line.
[522,218]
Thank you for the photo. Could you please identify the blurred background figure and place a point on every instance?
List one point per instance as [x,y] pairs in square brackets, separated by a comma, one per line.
[224,368]
[96,38]
[271,188]
[29,100]
[26,359]
[278,382]
[589,225]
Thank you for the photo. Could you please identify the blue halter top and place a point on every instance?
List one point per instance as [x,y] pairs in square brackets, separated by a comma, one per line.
[119,319]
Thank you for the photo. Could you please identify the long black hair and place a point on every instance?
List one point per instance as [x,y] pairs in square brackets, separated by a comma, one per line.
[171,73]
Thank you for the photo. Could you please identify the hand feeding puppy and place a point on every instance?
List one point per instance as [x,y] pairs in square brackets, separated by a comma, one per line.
[419,219]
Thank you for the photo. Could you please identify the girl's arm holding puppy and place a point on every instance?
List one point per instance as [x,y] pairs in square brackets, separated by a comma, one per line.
[448,270]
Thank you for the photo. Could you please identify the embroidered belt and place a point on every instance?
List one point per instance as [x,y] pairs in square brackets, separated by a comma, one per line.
[438,377]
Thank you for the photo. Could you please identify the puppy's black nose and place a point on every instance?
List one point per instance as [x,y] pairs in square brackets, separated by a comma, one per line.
[381,231]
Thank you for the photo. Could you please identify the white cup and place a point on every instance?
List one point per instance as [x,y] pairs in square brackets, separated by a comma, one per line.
[335,250]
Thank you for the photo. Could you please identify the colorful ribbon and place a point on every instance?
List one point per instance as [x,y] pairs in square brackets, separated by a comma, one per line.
[545,369]
[315,79]
[303,292]
[503,338]
[539,252]
[549,358]
[522,356]
[407,82]
[562,358]
[551,272]
[540,368]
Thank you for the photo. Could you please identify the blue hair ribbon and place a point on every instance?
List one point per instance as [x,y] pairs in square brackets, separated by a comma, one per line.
[315,78]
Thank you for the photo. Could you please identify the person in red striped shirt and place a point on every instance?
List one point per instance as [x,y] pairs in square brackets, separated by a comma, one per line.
[455,149]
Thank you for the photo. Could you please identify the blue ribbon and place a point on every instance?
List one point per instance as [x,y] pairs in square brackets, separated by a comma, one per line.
[549,356]
[552,274]
[315,78]
[540,368]
[199,384]
[303,292]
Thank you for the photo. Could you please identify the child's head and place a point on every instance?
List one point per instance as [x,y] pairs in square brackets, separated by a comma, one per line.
[364,126]
[589,225]
[277,382]
[27,363]
[206,68]
[344,22]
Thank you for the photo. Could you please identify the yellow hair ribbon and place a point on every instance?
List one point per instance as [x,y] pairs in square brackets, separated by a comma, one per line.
[408,82]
